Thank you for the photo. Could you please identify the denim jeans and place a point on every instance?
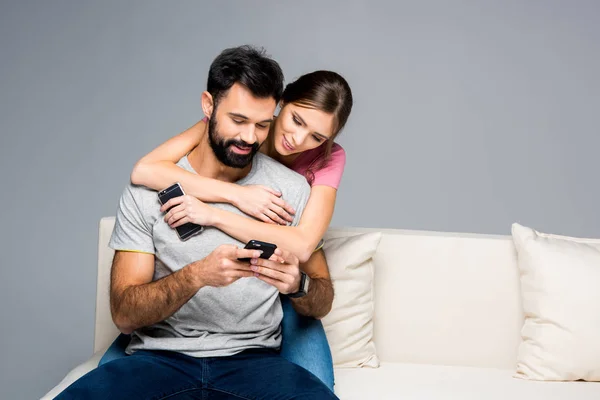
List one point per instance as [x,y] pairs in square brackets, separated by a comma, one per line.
[304,343]
[251,374]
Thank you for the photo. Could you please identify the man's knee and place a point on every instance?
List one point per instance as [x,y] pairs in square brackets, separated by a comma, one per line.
[109,381]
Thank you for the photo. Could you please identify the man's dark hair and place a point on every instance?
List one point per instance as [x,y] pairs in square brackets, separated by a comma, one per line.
[248,66]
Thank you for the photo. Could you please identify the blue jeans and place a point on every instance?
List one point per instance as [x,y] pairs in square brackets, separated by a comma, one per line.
[251,374]
[304,343]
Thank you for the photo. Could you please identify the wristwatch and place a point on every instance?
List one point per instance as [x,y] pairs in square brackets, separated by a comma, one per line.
[304,284]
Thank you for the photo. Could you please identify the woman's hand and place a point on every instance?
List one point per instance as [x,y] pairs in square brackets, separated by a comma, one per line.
[186,209]
[265,204]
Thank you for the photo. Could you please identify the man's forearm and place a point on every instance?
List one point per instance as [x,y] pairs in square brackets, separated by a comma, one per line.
[317,302]
[143,305]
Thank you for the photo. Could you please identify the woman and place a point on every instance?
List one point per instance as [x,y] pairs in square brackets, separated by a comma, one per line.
[314,109]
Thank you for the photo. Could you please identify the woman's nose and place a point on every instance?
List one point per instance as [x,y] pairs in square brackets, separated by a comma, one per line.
[299,138]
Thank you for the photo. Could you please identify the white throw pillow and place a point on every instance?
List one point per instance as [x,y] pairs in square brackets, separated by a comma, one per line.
[349,324]
[560,286]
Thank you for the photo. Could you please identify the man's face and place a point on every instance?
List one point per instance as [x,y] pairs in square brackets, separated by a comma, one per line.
[239,124]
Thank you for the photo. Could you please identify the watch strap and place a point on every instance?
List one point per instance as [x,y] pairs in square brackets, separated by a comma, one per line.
[302,290]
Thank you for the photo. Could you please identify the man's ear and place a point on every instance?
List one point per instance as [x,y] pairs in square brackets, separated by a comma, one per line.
[207,104]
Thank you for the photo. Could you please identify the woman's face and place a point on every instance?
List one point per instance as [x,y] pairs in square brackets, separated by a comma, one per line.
[299,129]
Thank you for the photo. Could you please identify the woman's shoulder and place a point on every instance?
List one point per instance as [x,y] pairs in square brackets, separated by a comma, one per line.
[337,157]
[338,151]
[315,159]
[330,171]
[337,148]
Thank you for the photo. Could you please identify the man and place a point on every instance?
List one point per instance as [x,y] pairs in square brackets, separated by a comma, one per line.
[205,325]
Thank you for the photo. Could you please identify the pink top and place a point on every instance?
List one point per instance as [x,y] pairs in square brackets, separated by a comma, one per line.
[328,173]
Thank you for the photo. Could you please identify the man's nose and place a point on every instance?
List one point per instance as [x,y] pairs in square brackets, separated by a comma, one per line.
[248,134]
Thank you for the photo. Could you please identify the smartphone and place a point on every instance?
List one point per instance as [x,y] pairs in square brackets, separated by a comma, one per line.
[267,249]
[186,230]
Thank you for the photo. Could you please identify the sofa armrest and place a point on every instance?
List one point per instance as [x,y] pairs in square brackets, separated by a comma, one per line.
[73,375]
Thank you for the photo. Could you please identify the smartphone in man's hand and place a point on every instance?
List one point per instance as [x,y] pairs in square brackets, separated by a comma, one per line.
[267,249]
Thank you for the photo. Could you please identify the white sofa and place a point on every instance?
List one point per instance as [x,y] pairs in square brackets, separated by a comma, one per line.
[447,321]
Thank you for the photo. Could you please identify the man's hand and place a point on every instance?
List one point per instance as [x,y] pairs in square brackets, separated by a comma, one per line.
[222,268]
[281,270]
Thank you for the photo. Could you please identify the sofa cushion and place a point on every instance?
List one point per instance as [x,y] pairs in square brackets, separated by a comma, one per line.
[393,381]
[560,284]
[349,324]
[73,375]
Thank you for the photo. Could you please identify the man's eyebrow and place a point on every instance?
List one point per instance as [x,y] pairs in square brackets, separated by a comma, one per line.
[242,116]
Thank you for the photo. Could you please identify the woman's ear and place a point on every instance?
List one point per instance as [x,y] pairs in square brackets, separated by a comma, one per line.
[207,104]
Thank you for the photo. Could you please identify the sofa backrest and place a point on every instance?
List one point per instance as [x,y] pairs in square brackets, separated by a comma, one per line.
[450,299]
[105,330]
[445,298]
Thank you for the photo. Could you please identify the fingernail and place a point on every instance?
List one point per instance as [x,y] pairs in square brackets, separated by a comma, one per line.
[256,274]
[253,267]
[253,261]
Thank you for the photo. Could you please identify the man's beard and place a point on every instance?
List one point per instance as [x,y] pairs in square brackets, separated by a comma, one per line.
[222,147]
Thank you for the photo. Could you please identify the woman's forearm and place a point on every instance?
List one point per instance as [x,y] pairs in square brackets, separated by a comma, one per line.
[300,240]
[160,175]
[158,170]
[292,238]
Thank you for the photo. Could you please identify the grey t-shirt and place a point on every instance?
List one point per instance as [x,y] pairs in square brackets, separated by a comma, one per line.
[216,321]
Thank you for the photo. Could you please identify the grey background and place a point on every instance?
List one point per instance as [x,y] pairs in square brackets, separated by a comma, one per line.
[469,115]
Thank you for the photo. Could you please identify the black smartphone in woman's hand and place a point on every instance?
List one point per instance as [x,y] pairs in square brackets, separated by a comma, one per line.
[186,230]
